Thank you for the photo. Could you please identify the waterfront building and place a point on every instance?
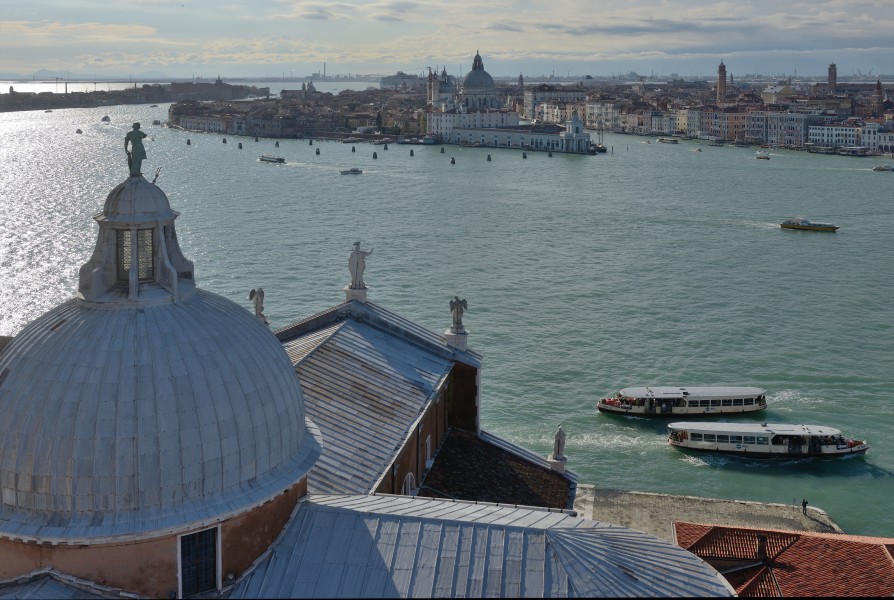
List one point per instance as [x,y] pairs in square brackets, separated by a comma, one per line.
[722,125]
[442,123]
[835,135]
[603,114]
[539,136]
[788,128]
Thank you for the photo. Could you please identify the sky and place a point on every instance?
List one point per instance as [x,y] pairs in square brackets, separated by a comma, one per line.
[296,38]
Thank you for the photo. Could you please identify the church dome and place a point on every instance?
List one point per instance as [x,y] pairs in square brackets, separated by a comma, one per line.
[478,79]
[144,404]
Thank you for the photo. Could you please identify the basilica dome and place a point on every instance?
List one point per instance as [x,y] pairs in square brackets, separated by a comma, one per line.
[144,404]
[478,79]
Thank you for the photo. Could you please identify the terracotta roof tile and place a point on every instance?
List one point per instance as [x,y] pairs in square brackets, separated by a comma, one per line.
[796,563]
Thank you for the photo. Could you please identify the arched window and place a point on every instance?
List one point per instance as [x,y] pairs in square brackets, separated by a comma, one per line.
[145,254]
[409,486]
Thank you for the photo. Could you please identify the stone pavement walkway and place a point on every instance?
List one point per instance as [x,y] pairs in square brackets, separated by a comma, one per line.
[656,513]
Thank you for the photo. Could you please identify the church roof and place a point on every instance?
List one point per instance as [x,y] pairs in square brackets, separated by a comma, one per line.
[512,475]
[389,370]
[398,546]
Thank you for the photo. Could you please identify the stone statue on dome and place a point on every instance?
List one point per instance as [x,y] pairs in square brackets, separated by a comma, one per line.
[357,264]
[258,297]
[457,307]
[137,153]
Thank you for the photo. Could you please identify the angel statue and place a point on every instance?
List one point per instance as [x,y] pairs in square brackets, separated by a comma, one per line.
[457,307]
[258,297]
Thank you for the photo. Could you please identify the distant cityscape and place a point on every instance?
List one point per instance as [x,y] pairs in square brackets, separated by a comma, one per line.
[843,115]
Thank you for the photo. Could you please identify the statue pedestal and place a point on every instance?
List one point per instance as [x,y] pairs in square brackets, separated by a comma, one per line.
[355,294]
[557,463]
[457,339]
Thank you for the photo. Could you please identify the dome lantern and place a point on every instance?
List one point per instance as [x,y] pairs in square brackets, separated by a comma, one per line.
[137,257]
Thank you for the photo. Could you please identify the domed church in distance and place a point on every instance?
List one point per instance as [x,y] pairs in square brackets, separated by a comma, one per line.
[159,440]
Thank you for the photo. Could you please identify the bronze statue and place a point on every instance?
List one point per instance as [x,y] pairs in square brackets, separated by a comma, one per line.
[136,154]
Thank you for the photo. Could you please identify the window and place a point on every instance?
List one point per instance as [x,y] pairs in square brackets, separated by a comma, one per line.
[428,460]
[749,439]
[715,402]
[696,437]
[198,562]
[737,402]
[722,438]
[749,401]
[409,485]
[704,403]
[727,402]
[145,254]
[735,439]
[762,440]
[709,437]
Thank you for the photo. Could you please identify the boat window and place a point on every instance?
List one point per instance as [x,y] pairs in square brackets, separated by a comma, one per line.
[715,402]
[709,437]
[762,440]
[735,439]
[722,438]
[749,401]
[749,439]
[704,403]
[727,402]
[737,402]
[695,437]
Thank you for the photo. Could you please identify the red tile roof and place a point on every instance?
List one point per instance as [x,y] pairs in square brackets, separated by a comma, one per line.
[793,563]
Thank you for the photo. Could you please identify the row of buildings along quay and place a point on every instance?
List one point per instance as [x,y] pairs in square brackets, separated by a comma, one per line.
[820,116]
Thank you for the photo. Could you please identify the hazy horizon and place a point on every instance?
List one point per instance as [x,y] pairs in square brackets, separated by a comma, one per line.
[299,38]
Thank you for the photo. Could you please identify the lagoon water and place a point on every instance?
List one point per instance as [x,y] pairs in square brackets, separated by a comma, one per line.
[653,264]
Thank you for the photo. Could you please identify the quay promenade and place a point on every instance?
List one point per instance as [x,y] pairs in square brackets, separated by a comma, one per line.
[655,513]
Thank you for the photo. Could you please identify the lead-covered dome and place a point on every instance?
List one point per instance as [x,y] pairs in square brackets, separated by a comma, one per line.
[144,404]
[478,79]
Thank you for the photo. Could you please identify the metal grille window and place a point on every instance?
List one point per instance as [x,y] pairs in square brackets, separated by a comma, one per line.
[198,562]
[145,254]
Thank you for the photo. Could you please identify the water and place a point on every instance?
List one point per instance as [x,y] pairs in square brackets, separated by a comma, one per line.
[652,264]
[276,85]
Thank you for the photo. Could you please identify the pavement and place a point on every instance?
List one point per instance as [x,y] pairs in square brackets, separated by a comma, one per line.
[656,513]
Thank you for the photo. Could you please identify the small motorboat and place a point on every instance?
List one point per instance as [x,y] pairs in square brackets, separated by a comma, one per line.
[106,119]
[804,224]
[762,155]
[883,168]
[78,131]
[352,171]
[271,158]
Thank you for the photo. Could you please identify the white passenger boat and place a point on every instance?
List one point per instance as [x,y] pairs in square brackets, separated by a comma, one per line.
[763,440]
[271,158]
[668,401]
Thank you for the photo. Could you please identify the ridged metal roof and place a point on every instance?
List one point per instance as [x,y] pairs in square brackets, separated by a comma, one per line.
[399,547]
[116,422]
[364,388]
